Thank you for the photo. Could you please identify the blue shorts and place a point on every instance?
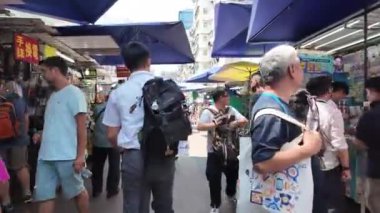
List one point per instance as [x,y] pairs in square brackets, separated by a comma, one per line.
[51,174]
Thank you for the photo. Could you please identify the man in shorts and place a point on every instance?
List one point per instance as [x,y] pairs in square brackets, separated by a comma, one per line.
[61,157]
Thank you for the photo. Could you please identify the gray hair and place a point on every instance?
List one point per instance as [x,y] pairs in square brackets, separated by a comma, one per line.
[274,64]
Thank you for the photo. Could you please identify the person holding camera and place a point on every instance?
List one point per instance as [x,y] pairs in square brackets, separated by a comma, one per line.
[221,121]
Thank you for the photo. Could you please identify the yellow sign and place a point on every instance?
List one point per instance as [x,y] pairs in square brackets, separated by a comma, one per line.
[49,51]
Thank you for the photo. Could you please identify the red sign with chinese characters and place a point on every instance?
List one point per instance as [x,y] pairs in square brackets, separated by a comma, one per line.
[26,49]
[122,72]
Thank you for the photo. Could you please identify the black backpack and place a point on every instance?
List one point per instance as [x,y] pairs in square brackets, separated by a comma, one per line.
[166,122]
[225,141]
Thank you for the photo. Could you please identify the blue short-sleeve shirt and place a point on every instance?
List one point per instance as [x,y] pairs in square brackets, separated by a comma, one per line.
[59,138]
[269,133]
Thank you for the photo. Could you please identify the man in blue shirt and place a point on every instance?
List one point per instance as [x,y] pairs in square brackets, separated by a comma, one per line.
[282,74]
[61,158]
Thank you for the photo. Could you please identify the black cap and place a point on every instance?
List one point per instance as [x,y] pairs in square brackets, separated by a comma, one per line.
[373,83]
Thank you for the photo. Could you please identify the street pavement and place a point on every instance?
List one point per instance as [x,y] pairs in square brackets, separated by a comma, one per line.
[191,194]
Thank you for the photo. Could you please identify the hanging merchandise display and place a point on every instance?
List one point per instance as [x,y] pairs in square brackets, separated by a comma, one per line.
[352,108]
[122,72]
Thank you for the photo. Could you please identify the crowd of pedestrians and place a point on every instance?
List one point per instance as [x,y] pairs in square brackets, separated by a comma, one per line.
[299,133]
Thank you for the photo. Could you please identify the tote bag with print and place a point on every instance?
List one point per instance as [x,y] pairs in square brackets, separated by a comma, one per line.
[288,191]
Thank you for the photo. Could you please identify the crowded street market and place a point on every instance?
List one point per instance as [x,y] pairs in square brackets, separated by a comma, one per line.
[190,106]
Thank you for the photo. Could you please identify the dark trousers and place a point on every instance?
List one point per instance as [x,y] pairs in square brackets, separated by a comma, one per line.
[99,158]
[334,190]
[158,182]
[132,171]
[319,200]
[215,167]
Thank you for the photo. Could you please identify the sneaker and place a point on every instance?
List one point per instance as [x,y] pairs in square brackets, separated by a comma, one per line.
[112,194]
[214,210]
[27,199]
[232,199]
[8,208]
[96,194]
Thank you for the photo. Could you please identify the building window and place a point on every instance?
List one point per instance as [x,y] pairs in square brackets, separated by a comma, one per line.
[207,24]
[205,11]
[205,38]
[205,53]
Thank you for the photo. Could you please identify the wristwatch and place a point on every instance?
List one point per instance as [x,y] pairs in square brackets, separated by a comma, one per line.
[345,168]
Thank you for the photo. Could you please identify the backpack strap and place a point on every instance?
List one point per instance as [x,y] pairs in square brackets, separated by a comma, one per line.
[216,112]
[213,111]
[99,114]
[279,114]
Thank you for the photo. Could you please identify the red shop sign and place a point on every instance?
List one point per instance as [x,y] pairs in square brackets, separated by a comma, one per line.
[26,49]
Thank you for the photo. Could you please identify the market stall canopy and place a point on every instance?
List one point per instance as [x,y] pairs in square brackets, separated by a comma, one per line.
[188,87]
[167,42]
[80,11]
[239,71]
[231,28]
[36,29]
[203,77]
[294,20]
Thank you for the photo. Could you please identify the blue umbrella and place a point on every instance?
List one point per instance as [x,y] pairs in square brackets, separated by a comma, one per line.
[204,76]
[294,20]
[231,27]
[167,42]
[81,11]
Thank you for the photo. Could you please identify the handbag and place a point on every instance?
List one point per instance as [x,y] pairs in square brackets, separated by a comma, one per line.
[287,191]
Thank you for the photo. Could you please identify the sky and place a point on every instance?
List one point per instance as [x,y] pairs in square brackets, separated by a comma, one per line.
[129,11]
[124,11]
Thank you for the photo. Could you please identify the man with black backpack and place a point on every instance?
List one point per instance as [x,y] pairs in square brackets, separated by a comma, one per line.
[221,121]
[146,120]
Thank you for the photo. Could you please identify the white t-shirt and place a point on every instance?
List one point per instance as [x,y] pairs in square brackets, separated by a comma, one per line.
[207,117]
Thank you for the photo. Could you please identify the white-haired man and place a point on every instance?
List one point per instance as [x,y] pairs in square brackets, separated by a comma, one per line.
[282,74]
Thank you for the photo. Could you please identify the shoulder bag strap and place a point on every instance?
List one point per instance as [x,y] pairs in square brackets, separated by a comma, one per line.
[285,117]
[281,115]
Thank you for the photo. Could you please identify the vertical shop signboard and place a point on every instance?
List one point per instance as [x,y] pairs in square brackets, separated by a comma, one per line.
[26,49]
[122,72]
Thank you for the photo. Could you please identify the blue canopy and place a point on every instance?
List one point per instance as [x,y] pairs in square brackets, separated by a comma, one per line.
[204,76]
[294,20]
[231,28]
[108,59]
[81,11]
[167,42]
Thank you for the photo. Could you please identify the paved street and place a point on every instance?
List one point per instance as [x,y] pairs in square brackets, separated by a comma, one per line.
[191,193]
[191,188]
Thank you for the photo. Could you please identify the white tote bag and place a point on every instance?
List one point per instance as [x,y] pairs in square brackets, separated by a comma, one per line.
[288,191]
